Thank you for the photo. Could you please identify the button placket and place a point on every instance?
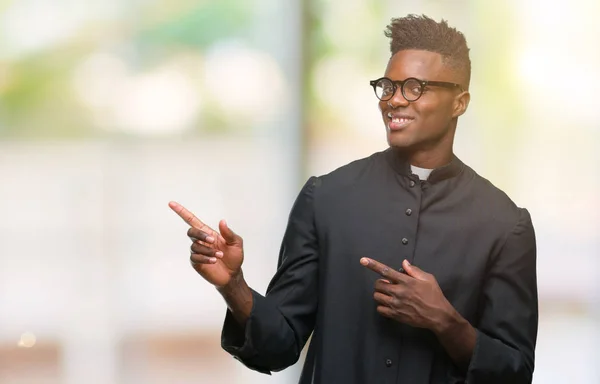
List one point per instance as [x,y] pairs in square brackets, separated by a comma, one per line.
[414,213]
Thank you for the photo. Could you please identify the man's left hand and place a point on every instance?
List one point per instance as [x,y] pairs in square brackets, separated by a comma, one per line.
[414,298]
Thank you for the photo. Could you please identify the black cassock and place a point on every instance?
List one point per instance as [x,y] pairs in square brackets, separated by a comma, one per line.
[455,225]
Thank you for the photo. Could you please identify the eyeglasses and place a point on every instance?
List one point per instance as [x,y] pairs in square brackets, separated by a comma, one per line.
[412,88]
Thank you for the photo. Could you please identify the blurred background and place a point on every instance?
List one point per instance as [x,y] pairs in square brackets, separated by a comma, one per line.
[109,109]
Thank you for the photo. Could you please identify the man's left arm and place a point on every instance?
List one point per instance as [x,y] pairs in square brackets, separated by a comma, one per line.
[507,329]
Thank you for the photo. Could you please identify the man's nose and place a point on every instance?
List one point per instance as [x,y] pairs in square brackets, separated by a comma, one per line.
[398,99]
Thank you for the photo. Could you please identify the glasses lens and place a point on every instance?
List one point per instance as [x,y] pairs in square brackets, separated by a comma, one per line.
[384,89]
[412,89]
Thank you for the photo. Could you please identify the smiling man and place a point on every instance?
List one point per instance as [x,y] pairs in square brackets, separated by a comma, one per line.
[406,266]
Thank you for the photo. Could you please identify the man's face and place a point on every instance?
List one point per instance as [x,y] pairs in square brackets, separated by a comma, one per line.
[426,123]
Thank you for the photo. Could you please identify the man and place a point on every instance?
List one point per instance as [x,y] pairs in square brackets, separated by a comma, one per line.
[406,266]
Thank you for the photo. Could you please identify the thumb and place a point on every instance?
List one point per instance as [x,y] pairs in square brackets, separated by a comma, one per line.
[229,236]
[414,271]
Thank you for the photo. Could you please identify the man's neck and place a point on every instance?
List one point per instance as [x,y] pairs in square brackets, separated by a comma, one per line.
[433,168]
[434,154]
[429,159]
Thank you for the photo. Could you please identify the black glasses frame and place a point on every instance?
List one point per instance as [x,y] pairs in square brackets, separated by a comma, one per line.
[400,84]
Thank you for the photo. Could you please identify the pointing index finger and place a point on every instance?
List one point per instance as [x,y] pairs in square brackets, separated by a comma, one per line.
[382,269]
[186,215]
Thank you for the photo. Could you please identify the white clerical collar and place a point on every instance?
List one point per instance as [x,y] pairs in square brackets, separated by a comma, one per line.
[423,173]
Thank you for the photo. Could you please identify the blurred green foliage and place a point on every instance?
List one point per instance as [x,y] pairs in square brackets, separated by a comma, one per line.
[37,99]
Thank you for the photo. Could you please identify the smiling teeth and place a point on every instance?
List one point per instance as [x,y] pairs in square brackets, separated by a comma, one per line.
[399,120]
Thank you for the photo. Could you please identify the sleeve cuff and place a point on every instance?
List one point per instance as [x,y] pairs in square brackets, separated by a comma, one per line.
[237,340]
[473,363]
[496,363]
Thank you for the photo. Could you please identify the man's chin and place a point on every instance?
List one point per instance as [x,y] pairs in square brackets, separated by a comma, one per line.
[398,141]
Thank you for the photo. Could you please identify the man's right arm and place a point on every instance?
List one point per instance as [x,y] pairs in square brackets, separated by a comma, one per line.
[238,297]
[267,333]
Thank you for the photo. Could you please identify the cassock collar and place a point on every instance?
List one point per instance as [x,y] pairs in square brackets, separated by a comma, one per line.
[400,163]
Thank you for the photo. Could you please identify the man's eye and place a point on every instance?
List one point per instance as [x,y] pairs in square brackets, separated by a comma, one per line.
[416,90]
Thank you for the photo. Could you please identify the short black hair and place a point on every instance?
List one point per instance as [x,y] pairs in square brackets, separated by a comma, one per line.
[424,33]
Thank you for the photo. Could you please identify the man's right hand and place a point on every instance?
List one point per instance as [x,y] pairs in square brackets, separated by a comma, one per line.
[216,256]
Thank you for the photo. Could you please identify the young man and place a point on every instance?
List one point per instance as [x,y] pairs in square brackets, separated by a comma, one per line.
[406,266]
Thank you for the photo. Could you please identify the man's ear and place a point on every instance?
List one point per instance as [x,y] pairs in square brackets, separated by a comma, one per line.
[461,103]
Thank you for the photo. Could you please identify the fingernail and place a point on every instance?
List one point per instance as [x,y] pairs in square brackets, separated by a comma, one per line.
[219,254]
[364,261]
[213,259]
[210,239]
[407,262]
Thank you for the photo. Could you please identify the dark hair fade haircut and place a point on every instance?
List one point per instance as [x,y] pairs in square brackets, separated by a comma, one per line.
[424,33]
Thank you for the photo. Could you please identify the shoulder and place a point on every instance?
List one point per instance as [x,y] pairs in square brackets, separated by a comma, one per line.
[490,199]
[350,174]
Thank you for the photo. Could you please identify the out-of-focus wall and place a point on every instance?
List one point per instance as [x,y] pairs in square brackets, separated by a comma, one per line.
[109,109]
[95,264]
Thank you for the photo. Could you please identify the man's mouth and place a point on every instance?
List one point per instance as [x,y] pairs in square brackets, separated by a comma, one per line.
[398,121]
